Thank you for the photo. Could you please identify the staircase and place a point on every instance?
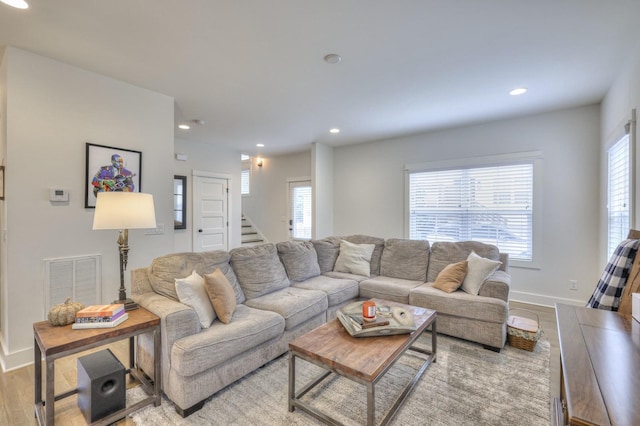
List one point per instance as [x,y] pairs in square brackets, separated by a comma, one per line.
[251,236]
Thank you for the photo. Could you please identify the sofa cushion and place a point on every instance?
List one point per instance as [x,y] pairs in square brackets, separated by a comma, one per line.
[337,290]
[295,305]
[406,259]
[478,269]
[344,276]
[299,259]
[327,251]
[191,292]
[444,253]
[354,258]
[220,342]
[377,252]
[165,269]
[259,270]
[451,277]
[221,295]
[460,304]
[394,289]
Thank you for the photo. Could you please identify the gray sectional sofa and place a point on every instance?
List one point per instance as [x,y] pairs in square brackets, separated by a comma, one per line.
[285,290]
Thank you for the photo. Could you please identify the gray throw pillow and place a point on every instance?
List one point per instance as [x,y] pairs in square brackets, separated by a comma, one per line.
[299,259]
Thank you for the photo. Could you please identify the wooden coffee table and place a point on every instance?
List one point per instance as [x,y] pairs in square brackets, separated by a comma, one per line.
[364,360]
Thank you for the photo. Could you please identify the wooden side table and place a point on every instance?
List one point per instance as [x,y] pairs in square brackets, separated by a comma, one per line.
[57,342]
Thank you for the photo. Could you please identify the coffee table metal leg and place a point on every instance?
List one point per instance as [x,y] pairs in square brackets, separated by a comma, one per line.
[292,380]
[434,340]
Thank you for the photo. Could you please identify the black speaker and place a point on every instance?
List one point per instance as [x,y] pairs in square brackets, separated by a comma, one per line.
[101,385]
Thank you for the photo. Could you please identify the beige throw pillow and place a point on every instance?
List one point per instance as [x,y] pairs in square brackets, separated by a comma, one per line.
[478,269]
[451,277]
[221,294]
[354,258]
[191,292]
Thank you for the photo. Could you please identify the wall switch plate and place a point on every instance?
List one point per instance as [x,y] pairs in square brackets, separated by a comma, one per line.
[573,284]
[158,230]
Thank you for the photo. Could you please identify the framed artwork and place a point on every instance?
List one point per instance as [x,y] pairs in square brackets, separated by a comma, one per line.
[111,169]
[1,182]
[179,202]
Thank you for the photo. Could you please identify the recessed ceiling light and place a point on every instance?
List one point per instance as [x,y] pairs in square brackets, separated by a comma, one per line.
[259,145]
[334,130]
[518,91]
[332,58]
[18,4]
[184,126]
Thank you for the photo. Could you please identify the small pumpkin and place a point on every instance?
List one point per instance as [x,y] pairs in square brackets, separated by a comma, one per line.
[64,313]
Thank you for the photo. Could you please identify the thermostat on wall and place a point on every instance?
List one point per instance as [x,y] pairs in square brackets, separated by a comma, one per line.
[58,195]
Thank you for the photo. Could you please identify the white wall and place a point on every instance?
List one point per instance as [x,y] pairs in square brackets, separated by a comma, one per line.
[369,191]
[267,204]
[214,159]
[52,110]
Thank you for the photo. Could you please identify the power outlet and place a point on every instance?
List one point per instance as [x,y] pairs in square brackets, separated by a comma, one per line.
[573,284]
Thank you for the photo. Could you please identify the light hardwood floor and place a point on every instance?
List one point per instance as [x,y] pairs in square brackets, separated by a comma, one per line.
[17,397]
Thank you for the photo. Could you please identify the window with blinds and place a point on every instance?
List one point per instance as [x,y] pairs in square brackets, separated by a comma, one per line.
[245,175]
[492,205]
[618,193]
[301,210]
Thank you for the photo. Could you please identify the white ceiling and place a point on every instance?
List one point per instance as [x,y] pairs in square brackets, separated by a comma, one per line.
[253,70]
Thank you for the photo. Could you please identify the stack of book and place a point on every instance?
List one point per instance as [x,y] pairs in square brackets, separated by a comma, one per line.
[100,316]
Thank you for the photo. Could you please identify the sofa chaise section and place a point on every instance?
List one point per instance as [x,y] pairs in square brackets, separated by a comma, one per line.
[480,318]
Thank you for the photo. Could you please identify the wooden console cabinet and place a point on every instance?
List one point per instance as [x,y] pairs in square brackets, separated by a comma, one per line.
[600,367]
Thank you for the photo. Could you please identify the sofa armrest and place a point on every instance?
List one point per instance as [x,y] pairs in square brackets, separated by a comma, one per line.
[176,320]
[497,286]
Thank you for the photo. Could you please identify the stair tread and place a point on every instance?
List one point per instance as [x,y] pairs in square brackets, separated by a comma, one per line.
[257,240]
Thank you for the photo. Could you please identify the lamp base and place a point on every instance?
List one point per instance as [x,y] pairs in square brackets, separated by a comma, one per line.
[129,304]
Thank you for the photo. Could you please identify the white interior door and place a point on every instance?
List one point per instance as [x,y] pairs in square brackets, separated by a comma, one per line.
[210,213]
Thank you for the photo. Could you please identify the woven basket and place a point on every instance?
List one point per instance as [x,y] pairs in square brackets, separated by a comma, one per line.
[523,333]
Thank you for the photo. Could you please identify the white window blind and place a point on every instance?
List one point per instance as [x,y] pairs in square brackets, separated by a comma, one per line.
[301,210]
[492,205]
[618,194]
[245,175]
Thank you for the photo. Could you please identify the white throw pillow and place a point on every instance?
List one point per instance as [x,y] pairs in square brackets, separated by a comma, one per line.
[192,292]
[354,258]
[478,269]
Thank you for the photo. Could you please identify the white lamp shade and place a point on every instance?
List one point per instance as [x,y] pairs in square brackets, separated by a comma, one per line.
[124,210]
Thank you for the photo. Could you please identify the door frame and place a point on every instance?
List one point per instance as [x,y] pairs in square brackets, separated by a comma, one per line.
[288,192]
[230,217]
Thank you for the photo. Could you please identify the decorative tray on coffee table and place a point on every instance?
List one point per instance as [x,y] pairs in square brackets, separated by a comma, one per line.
[389,320]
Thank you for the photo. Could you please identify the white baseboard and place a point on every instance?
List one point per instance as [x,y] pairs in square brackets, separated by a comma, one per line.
[539,299]
[16,360]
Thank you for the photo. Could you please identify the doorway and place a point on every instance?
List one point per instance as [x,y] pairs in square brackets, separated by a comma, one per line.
[210,212]
[300,202]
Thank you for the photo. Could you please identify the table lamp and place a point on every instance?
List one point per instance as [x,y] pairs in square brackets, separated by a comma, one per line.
[124,211]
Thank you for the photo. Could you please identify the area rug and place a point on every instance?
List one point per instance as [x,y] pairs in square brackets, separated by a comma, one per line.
[468,385]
